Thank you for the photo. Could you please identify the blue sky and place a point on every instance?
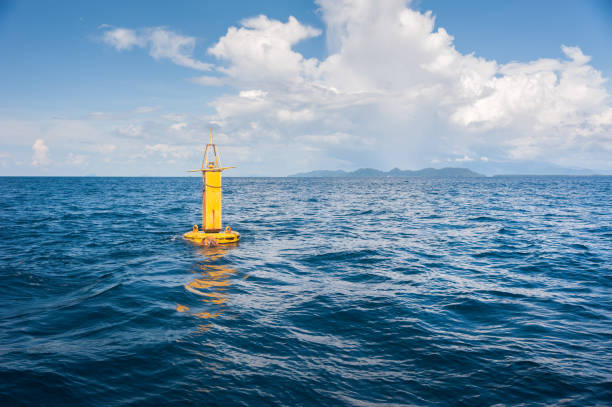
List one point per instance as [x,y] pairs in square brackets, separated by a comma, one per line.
[106,89]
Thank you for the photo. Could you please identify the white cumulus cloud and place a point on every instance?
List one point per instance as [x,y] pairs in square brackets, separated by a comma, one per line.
[261,50]
[161,43]
[106,148]
[76,159]
[208,80]
[41,153]
[130,130]
[178,126]
[394,78]
[393,91]
[169,151]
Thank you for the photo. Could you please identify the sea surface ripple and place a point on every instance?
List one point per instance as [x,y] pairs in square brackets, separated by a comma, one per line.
[366,292]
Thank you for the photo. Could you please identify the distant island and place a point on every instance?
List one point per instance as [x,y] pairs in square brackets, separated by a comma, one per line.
[396,172]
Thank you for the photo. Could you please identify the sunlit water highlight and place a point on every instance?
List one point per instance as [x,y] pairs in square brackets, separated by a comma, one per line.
[341,292]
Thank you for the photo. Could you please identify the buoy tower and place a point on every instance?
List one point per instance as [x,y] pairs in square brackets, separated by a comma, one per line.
[212,232]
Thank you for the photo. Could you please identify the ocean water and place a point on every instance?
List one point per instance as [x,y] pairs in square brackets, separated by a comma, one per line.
[341,292]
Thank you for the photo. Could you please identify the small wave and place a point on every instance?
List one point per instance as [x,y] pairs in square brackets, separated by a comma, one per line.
[364,256]
[432,216]
[506,231]
[500,254]
[484,219]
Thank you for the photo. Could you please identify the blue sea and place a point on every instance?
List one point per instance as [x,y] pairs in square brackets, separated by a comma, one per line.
[342,292]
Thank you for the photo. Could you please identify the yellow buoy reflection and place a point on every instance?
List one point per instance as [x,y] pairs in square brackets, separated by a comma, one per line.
[182,308]
[211,284]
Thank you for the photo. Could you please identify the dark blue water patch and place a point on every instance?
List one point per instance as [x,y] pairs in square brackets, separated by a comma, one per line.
[448,292]
[484,219]
[363,256]
[506,231]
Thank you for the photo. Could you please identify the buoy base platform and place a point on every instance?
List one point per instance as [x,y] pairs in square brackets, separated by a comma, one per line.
[212,238]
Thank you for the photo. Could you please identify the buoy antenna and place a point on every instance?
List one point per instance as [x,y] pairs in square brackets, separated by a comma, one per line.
[215,164]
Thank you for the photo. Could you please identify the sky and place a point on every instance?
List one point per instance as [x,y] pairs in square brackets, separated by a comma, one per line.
[121,88]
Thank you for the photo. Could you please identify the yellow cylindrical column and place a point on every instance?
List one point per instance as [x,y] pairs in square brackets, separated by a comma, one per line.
[212,201]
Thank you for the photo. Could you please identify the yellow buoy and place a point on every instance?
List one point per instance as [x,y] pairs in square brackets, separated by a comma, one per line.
[212,232]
